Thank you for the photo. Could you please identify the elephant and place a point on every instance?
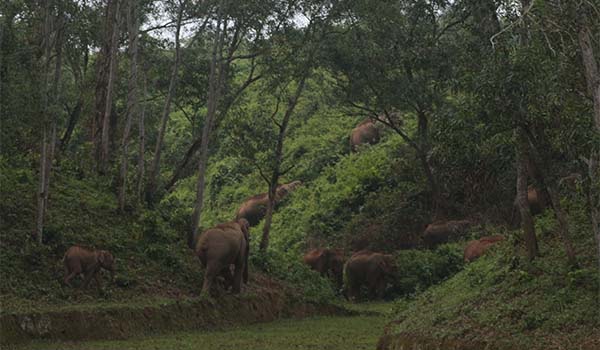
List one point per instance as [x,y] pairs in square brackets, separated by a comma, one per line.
[538,202]
[478,247]
[254,208]
[328,262]
[370,269]
[87,261]
[220,247]
[441,232]
[365,132]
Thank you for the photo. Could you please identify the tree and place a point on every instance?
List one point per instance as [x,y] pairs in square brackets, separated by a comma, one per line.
[393,62]
[302,59]
[132,97]
[106,76]
[155,167]
[52,39]
[215,80]
[248,19]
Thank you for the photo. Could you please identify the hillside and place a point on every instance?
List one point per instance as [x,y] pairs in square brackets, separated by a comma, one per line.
[503,302]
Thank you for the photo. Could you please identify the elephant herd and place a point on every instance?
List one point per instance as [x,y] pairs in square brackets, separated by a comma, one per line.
[223,250]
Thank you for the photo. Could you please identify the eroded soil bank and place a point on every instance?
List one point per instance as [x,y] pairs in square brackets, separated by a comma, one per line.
[123,322]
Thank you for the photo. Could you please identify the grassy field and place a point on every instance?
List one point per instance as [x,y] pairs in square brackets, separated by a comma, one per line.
[355,332]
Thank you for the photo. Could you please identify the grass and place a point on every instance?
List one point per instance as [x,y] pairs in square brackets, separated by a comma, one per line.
[504,299]
[357,332]
[370,307]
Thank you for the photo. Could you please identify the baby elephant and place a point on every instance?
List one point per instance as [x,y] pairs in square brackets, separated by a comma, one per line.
[87,261]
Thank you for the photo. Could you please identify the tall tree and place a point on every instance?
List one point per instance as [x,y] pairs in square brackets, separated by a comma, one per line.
[141,170]
[52,39]
[215,80]
[237,23]
[151,186]
[520,106]
[105,80]
[132,97]
[302,61]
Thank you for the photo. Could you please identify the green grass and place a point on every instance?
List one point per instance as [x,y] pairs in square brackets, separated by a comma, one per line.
[377,307]
[504,299]
[358,332]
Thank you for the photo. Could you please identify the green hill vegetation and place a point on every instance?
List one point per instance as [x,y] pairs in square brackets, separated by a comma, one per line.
[129,125]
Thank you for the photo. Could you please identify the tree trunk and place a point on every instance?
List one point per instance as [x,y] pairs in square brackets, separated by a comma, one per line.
[73,118]
[155,167]
[132,98]
[439,211]
[48,146]
[214,91]
[538,171]
[40,211]
[522,203]
[142,144]
[592,77]
[182,169]
[183,165]
[104,85]
[264,242]
[75,114]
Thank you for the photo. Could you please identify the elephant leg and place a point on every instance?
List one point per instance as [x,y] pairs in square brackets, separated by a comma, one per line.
[226,274]
[210,274]
[88,277]
[353,290]
[69,277]
[380,288]
[237,277]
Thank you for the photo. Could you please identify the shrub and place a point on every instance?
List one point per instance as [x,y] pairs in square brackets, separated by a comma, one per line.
[419,269]
[312,286]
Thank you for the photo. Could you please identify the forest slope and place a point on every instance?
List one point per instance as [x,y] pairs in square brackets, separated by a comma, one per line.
[504,302]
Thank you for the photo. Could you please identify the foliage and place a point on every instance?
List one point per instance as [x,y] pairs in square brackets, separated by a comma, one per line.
[417,270]
[501,294]
[310,284]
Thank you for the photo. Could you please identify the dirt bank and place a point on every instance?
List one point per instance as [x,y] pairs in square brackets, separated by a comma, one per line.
[121,322]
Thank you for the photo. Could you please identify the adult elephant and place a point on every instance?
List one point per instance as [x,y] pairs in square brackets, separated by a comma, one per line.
[220,247]
[254,208]
[441,232]
[367,132]
[370,269]
[327,262]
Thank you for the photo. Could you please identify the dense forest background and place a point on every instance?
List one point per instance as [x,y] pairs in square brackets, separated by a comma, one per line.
[129,124]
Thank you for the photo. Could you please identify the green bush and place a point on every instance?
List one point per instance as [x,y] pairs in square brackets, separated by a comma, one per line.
[419,269]
[312,286]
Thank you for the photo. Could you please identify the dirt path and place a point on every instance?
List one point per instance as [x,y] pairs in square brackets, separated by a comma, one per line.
[338,332]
